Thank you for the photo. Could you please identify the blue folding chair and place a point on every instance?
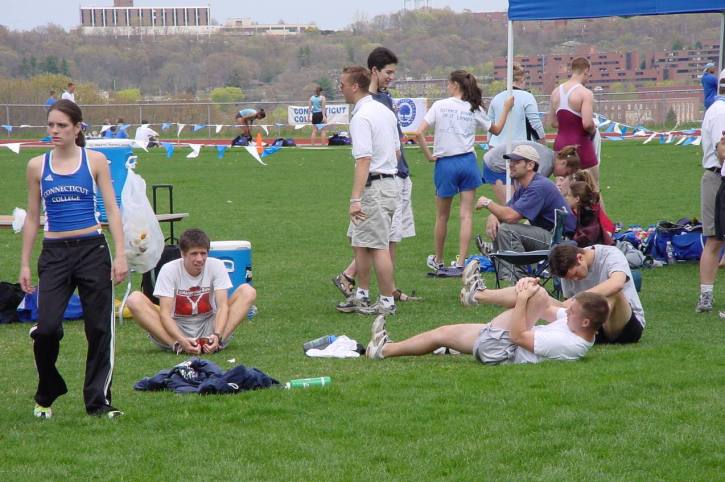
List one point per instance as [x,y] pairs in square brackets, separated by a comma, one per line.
[534,263]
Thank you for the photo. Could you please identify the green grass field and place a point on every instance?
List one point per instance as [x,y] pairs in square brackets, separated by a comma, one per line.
[651,411]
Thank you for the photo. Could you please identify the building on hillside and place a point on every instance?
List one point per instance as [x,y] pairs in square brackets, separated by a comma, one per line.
[682,67]
[246,26]
[687,64]
[651,105]
[125,19]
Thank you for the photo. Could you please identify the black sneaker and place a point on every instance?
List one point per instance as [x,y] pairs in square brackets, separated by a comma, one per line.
[107,412]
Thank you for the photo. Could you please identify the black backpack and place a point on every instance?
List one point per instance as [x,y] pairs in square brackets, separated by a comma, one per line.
[241,140]
[148,282]
[10,297]
[338,140]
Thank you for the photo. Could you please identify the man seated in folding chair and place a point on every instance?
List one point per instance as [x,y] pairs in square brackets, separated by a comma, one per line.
[597,269]
[536,199]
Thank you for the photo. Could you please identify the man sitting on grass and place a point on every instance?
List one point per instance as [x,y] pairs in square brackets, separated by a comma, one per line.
[596,269]
[511,337]
[194,314]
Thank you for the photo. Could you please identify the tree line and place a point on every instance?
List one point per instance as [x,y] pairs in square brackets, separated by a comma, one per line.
[430,43]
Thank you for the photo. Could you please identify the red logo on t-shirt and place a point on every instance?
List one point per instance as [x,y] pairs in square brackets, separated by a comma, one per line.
[194,301]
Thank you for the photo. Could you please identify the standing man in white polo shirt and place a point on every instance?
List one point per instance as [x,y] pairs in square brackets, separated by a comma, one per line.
[70,92]
[713,226]
[374,197]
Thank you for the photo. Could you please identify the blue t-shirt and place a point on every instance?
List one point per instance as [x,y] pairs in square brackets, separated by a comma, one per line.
[50,102]
[387,100]
[709,88]
[538,201]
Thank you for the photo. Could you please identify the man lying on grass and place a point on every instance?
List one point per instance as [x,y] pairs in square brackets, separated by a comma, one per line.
[596,269]
[511,337]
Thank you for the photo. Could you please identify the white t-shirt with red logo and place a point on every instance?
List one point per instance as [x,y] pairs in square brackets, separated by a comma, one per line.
[194,305]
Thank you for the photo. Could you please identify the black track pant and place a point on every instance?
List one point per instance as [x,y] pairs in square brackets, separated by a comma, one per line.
[63,266]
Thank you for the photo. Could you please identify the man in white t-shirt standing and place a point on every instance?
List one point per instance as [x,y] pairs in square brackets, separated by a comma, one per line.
[70,92]
[375,193]
[713,128]
[194,314]
[513,336]
[146,136]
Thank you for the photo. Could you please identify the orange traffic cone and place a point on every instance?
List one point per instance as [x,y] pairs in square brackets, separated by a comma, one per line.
[260,147]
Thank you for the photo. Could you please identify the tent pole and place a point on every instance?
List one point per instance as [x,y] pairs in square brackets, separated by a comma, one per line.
[721,60]
[509,87]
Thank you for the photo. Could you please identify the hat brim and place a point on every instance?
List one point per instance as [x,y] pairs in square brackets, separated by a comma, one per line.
[517,157]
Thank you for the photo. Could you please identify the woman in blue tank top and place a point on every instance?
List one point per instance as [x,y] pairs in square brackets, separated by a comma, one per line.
[318,115]
[75,254]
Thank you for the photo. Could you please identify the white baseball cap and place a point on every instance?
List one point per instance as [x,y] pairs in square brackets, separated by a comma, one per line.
[522,152]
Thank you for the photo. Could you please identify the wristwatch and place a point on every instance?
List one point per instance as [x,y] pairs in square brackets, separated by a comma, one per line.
[486,203]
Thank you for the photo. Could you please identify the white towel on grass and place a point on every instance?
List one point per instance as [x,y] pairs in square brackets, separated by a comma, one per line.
[342,347]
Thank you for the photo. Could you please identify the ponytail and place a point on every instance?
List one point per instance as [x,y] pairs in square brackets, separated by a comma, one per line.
[570,155]
[81,139]
[469,88]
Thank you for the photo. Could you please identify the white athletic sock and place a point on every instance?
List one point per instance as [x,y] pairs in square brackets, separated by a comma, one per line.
[387,301]
[706,288]
[361,293]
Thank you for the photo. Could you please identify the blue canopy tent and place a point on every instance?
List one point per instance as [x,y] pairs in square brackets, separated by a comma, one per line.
[522,10]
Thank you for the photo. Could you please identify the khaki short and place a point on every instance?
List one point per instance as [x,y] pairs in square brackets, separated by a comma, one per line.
[709,184]
[379,202]
[403,225]
[494,346]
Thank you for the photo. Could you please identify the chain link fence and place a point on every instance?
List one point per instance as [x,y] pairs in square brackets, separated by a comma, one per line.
[648,108]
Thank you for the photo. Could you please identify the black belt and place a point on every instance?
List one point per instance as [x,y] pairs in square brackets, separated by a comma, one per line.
[376,177]
[713,169]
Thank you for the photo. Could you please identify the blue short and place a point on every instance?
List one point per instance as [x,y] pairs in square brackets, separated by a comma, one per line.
[454,174]
[490,176]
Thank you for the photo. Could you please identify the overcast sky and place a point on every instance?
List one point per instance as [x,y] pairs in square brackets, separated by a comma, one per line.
[327,14]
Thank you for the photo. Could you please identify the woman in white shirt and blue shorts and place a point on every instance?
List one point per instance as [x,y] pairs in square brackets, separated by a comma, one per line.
[454,121]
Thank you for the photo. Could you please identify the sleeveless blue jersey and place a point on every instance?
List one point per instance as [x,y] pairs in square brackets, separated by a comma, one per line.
[316,101]
[69,200]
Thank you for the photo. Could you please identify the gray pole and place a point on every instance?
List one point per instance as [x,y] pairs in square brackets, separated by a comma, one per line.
[721,59]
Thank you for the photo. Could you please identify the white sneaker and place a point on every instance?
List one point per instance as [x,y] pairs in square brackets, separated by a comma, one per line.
[376,308]
[432,264]
[379,338]
[468,292]
[42,412]
[471,271]
[704,304]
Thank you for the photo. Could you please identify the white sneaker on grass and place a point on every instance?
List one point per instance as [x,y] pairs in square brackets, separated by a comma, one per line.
[352,304]
[704,303]
[432,263]
[377,308]
[379,339]
[42,412]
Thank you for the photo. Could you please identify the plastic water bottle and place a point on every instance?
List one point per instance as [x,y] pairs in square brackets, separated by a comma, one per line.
[670,253]
[308,382]
[319,343]
[252,312]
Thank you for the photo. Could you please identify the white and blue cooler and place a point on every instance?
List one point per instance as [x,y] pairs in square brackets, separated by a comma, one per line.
[237,259]
[118,157]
